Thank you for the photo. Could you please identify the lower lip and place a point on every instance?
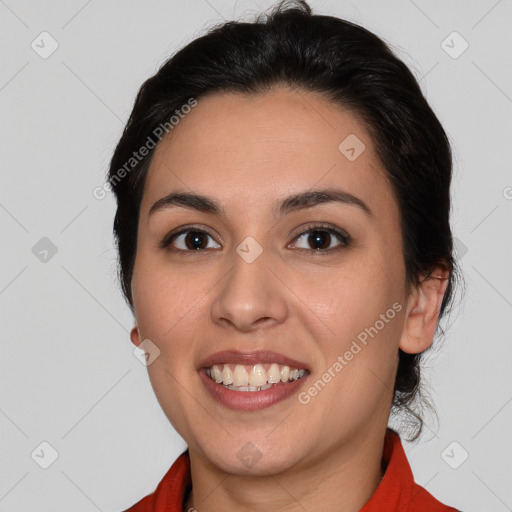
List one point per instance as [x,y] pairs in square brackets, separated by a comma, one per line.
[250,400]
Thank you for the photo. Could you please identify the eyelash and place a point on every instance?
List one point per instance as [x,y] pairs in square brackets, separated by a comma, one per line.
[343,237]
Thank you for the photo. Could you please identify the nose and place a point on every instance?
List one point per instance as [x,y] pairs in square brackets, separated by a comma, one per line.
[251,296]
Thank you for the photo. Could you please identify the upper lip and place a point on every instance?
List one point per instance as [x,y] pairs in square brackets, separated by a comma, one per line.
[253,357]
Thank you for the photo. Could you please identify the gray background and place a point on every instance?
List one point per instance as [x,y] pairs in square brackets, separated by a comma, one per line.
[68,375]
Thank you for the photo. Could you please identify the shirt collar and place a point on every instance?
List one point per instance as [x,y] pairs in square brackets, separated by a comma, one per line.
[396,488]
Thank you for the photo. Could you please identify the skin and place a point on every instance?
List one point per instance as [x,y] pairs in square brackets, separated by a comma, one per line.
[249,151]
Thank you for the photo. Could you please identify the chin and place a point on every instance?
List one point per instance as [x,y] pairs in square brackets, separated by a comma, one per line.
[253,457]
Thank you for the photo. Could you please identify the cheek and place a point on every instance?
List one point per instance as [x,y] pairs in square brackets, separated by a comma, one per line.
[166,300]
[166,310]
[359,363]
[351,299]
[363,309]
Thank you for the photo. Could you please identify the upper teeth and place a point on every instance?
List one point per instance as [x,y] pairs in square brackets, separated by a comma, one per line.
[257,376]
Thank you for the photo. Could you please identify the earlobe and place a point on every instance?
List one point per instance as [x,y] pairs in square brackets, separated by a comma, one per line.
[423,312]
[135,335]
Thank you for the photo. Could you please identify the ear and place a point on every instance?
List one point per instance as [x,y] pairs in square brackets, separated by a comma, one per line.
[135,335]
[422,314]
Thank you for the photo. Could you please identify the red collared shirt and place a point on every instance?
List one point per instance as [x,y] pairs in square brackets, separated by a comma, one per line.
[397,490]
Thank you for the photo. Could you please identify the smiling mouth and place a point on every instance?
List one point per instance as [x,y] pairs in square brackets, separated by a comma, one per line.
[258,377]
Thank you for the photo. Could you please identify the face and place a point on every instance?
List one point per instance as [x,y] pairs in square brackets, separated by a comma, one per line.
[320,282]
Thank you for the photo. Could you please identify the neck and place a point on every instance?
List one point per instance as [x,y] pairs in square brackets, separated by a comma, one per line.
[341,479]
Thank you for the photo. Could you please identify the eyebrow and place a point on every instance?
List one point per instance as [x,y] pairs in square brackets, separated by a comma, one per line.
[295,202]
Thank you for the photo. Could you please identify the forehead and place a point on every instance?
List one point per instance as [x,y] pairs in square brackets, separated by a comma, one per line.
[245,148]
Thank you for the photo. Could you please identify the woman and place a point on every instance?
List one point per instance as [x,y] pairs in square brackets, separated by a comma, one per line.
[283,231]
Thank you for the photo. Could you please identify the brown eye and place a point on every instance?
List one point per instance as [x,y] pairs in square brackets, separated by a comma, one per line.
[194,240]
[321,239]
[188,240]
